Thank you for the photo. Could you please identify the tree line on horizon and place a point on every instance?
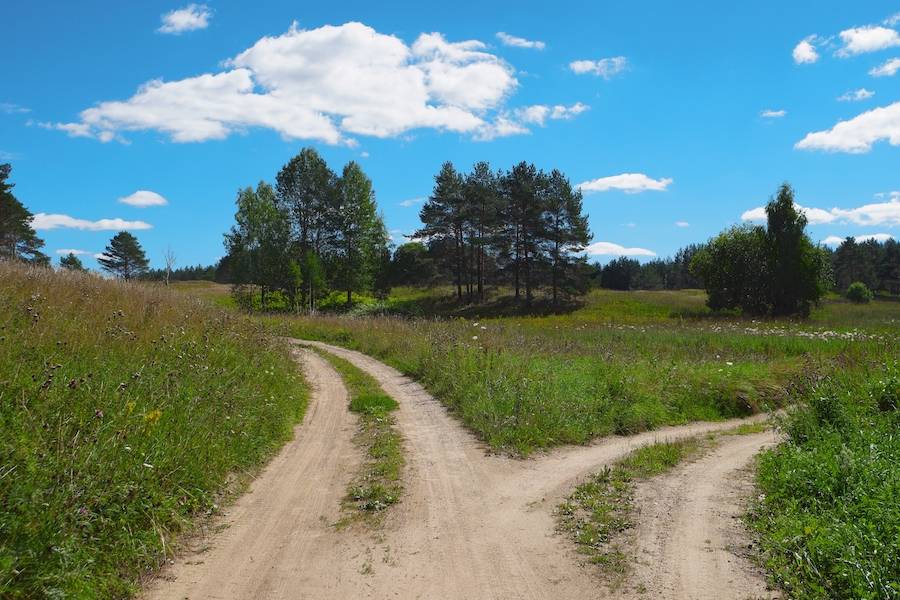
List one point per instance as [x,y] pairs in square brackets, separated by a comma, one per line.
[523,229]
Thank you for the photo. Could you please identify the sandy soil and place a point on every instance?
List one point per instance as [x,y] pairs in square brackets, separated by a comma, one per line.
[690,541]
[470,525]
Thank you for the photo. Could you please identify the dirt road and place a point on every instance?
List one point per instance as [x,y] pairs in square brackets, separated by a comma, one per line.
[689,542]
[471,525]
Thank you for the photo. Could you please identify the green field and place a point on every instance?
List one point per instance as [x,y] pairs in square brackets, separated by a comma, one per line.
[126,412]
[622,362]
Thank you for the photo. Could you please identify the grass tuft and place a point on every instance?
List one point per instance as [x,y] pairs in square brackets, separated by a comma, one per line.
[378,484]
[601,508]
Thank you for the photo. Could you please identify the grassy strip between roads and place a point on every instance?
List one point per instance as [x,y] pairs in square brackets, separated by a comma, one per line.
[829,514]
[126,411]
[378,484]
[600,509]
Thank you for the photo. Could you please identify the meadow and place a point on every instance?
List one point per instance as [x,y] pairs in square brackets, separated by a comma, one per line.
[622,362]
[127,413]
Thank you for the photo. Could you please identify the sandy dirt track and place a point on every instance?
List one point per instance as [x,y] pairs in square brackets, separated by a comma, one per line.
[689,539]
[470,525]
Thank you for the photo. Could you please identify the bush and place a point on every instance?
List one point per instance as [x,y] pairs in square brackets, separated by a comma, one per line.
[859,293]
[828,515]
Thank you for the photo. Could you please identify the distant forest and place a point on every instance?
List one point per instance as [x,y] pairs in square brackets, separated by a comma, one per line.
[316,231]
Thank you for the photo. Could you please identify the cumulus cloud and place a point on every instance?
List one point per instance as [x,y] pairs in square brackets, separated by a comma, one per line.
[611,249]
[518,42]
[144,198]
[630,183]
[805,51]
[887,69]
[189,18]
[605,67]
[75,251]
[44,221]
[539,113]
[836,240]
[877,213]
[772,114]
[324,84]
[871,38]
[682,224]
[856,95]
[892,20]
[857,135]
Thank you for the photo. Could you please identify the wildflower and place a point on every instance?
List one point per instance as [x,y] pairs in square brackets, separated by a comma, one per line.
[152,416]
[729,363]
[474,337]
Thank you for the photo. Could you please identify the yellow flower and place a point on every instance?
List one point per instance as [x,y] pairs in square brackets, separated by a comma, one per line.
[152,416]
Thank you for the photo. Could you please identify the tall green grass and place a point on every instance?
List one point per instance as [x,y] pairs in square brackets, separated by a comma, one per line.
[125,412]
[524,383]
[829,516]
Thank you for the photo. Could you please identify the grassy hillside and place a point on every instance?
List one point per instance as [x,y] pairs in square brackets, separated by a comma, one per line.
[125,411]
[623,362]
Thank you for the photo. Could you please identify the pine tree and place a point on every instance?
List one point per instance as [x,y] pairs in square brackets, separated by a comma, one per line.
[124,257]
[482,215]
[70,262]
[18,239]
[443,218]
[566,233]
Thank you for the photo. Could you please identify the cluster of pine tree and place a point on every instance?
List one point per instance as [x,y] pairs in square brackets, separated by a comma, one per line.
[873,263]
[523,228]
[312,232]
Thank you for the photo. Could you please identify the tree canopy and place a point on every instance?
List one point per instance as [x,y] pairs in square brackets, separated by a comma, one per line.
[18,239]
[773,270]
[124,257]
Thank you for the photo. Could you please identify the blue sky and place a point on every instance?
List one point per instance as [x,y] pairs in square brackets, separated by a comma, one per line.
[660,110]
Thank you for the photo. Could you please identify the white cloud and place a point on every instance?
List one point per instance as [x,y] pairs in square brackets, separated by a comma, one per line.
[44,221]
[892,20]
[517,42]
[836,240]
[323,84]
[13,109]
[189,18]
[611,249]
[856,95]
[857,135]
[682,224]
[887,69]
[878,213]
[144,198]
[539,113]
[630,183]
[413,201]
[871,38]
[76,252]
[502,126]
[605,67]
[773,114]
[805,51]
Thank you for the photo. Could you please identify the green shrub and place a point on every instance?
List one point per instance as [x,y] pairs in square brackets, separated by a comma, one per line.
[829,517]
[859,293]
